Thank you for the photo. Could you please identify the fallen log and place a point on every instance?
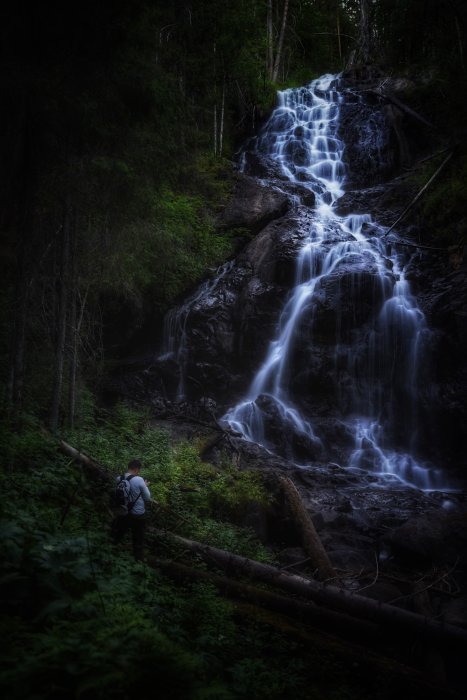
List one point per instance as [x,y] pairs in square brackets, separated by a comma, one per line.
[305,611]
[87,461]
[337,599]
[81,457]
[310,539]
[342,636]
[106,475]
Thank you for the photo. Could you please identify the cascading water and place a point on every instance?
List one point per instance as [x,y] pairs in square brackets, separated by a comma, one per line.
[175,323]
[378,399]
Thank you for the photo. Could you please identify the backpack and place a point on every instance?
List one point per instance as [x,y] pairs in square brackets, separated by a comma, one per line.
[122,502]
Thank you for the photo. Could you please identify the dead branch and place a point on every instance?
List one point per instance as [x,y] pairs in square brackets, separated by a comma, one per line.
[376,576]
[430,157]
[405,108]
[419,194]
[419,590]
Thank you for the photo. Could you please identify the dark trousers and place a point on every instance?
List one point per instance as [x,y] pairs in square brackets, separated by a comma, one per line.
[137,525]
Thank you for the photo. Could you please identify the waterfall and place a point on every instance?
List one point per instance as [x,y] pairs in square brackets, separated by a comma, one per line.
[175,327]
[378,398]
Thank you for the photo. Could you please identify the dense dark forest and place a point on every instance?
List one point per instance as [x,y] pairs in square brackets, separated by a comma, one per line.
[120,129]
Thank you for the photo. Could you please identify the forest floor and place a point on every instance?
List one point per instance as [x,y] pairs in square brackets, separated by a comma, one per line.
[386,541]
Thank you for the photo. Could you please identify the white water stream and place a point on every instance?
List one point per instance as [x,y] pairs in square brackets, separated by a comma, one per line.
[175,323]
[301,136]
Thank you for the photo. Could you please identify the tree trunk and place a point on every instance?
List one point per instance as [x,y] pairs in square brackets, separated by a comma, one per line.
[338,27]
[73,353]
[73,364]
[270,42]
[351,641]
[215,130]
[221,129]
[24,176]
[18,341]
[304,611]
[364,32]
[460,42]
[85,459]
[61,321]
[214,50]
[280,44]
[77,338]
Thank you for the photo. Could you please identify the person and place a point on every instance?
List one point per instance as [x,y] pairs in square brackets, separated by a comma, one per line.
[135,520]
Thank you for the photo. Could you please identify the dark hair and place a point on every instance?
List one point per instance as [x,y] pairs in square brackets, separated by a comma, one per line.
[134,464]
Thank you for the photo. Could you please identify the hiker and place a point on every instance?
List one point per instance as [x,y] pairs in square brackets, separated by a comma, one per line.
[134,516]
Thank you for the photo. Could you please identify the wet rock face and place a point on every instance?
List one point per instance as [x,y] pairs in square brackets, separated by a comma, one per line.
[227,329]
[374,132]
[252,206]
[369,148]
[347,299]
[282,435]
[440,536]
[231,327]
[442,294]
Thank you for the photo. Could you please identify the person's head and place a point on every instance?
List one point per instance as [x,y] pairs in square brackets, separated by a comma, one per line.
[134,466]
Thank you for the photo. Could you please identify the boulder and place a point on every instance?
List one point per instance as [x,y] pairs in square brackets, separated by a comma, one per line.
[455,612]
[283,435]
[438,538]
[371,147]
[252,206]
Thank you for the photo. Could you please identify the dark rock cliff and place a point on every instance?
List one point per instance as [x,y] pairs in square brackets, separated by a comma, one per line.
[227,329]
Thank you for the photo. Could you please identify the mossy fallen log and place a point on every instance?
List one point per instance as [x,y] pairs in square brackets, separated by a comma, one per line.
[349,640]
[391,618]
[310,539]
[336,599]
[305,611]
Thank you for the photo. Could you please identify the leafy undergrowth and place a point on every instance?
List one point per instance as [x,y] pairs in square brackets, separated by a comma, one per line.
[81,619]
